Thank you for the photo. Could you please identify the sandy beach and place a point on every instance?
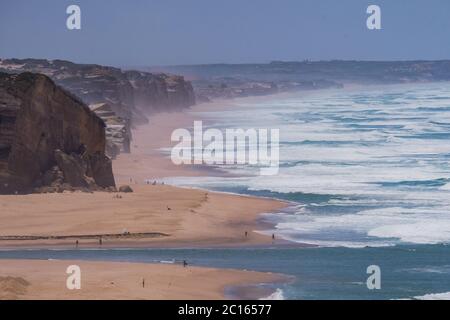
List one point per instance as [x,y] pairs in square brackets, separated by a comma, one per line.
[170,216]
[146,160]
[151,216]
[42,280]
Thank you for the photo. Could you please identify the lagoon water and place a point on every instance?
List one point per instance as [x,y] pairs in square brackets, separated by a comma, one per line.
[367,173]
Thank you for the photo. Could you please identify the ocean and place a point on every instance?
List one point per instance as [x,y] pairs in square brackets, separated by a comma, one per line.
[366,171]
[407,271]
[362,167]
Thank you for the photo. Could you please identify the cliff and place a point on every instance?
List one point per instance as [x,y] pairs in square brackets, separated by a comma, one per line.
[49,140]
[117,130]
[131,95]
[160,92]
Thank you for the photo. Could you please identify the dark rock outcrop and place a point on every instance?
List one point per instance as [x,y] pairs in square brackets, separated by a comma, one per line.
[73,169]
[49,138]
[117,130]
[125,189]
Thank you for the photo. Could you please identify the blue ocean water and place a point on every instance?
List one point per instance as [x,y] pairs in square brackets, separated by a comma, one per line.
[362,167]
[319,273]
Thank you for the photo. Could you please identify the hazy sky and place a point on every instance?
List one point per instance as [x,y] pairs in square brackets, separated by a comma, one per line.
[163,32]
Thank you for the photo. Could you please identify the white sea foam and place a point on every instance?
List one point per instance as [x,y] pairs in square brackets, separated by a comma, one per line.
[276,295]
[434,296]
[445,187]
[381,156]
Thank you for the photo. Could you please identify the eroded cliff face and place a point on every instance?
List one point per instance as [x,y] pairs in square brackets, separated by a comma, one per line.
[131,95]
[49,139]
[117,130]
[160,92]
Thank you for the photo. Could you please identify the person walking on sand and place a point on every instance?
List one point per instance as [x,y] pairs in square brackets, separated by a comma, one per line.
[76,244]
[100,241]
[185,263]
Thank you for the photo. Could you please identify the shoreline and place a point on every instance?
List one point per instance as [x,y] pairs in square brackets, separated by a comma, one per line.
[181,217]
[46,279]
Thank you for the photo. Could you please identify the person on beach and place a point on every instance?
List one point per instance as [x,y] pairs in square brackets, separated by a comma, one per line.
[246,234]
[76,244]
[185,263]
[143,282]
[100,241]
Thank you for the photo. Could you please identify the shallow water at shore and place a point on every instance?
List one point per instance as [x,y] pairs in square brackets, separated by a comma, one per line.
[319,273]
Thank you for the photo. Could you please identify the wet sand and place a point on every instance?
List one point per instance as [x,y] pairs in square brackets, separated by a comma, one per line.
[43,280]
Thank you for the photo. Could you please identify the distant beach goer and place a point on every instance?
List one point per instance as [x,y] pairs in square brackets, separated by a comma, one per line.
[185,264]
[76,244]
[100,241]
[273,236]
[143,282]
